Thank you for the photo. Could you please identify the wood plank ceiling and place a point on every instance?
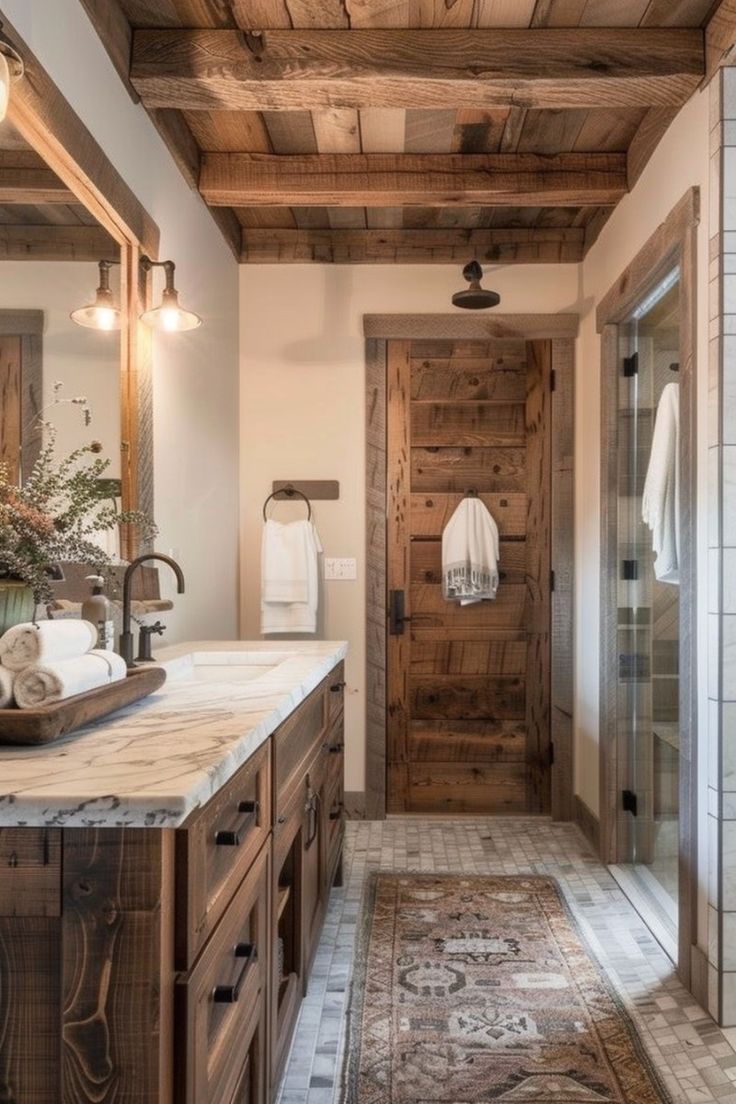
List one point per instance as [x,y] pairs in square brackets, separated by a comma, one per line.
[409,130]
[40,219]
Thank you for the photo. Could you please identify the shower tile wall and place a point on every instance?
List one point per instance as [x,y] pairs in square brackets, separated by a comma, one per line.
[721,733]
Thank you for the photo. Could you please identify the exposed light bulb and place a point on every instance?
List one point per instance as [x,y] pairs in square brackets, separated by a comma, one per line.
[170,318]
[4,86]
[105,318]
[103,314]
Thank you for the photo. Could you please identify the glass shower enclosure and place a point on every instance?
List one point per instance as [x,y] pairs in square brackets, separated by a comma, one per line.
[649,603]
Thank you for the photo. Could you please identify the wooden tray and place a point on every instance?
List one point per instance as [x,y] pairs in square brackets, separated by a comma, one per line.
[50,722]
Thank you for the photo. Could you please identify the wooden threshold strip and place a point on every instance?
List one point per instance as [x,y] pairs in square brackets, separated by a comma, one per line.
[500,246]
[307,69]
[419,180]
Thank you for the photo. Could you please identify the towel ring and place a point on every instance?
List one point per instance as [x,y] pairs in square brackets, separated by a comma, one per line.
[290,491]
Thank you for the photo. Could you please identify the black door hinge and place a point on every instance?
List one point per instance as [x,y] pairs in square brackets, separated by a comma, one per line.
[551,580]
[631,365]
[551,754]
[629,569]
[553,380]
[629,802]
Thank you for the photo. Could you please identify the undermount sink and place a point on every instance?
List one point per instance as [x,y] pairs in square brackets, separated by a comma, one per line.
[231,672]
[233,666]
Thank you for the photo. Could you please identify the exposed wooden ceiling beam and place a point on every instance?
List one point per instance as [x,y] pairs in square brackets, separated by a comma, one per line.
[311,69]
[413,180]
[32,186]
[720,37]
[55,243]
[498,246]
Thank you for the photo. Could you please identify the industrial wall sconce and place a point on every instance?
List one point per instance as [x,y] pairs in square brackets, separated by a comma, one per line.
[475,297]
[169,317]
[102,314]
[11,68]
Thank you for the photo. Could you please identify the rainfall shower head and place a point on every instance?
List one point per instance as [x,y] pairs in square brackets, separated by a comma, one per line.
[475,297]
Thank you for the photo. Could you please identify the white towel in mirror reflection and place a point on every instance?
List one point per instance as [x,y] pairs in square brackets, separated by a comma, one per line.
[660,506]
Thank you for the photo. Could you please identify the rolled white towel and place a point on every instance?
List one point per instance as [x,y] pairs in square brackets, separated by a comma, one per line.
[7,678]
[47,683]
[48,641]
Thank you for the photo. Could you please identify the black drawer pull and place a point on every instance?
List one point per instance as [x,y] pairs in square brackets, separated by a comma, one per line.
[282,819]
[338,686]
[311,808]
[234,838]
[228,994]
[335,814]
[335,749]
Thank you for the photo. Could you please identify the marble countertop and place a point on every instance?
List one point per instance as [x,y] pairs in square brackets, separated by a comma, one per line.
[151,764]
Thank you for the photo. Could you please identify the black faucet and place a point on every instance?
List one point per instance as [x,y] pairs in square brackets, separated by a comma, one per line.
[126,636]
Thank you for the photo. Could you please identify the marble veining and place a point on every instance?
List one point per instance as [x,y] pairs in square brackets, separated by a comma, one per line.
[152,763]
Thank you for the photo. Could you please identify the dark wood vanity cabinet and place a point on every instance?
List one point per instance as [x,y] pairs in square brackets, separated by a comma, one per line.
[307,847]
[163,966]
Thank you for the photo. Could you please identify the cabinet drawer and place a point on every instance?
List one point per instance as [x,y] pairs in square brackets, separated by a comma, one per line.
[295,742]
[214,849]
[335,692]
[220,1005]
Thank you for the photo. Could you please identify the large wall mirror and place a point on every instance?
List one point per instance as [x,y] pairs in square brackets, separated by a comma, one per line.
[69,224]
[52,369]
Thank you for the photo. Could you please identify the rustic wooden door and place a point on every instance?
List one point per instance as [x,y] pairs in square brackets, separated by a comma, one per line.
[468,687]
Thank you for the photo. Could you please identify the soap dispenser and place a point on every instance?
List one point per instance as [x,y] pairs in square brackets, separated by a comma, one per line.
[98,610]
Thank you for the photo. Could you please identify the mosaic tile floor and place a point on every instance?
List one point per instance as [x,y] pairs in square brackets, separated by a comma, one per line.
[694,1057]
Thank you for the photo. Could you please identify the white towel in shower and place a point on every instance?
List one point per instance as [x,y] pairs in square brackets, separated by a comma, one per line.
[289,577]
[470,554]
[45,642]
[46,683]
[660,505]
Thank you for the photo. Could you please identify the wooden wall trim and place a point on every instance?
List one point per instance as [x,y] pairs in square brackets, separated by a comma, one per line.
[21,322]
[459,326]
[48,122]
[674,242]
[376,452]
[588,823]
[652,262]
[378,329]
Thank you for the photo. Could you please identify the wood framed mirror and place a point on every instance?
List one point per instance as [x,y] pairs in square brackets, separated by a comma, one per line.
[63,208]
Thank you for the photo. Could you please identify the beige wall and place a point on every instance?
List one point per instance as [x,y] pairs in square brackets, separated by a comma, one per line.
[680,162]
[302,404]
[303,411]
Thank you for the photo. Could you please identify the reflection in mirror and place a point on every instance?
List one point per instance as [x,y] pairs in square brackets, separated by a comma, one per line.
[50,248]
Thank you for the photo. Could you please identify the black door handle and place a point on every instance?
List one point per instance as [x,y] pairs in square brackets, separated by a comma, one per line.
[337,687]
[233,838]
[396,616]
[228,994]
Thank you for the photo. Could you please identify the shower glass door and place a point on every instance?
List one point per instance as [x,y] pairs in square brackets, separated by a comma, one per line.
[648,601]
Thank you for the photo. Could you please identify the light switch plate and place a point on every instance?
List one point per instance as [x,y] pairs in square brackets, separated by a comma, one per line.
[341,568]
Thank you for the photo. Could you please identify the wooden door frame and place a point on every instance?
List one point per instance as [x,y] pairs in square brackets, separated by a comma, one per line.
[674,242]
[561,330]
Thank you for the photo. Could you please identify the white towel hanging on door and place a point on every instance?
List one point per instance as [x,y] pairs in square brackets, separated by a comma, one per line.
[470,554]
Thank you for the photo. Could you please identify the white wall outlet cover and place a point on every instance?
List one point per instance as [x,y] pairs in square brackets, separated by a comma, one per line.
[341,568]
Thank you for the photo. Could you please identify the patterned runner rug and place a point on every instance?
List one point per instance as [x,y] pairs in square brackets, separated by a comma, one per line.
[471,989]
